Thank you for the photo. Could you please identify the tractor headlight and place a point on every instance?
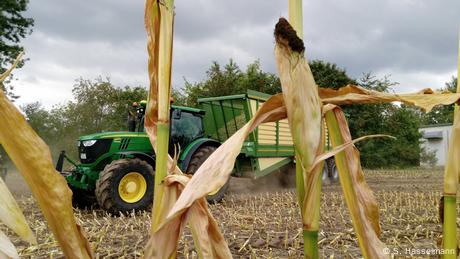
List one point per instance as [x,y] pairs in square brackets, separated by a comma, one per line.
[88,143]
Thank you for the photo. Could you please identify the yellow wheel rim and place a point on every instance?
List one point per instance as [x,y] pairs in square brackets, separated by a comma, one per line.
[132,187]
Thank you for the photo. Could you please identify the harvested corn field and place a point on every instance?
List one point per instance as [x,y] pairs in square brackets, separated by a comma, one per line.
[261,224]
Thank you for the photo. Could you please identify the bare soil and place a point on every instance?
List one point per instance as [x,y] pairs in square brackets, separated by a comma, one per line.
[261,219]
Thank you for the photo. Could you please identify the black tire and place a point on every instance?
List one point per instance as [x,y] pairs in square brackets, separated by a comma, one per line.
[333,172]
[198,158]
[107,186]
[330,173]
[287,176]
[325,174]
[83,199]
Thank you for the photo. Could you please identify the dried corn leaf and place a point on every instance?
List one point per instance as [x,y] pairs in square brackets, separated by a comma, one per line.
[323,156]
[352,94]
[300,93]
[212,175]
[33,160]
[11,215]
[13,66]
[312,182]
[209,242]
[7,249]
[358,196]
[216,170]
[158,19]
[206,234]
[304,114]
[163,242]
[209,177]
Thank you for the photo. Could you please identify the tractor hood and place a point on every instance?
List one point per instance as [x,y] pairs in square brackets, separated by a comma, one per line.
[112,135]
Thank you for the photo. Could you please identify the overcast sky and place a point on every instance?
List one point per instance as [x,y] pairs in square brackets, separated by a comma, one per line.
[414,41]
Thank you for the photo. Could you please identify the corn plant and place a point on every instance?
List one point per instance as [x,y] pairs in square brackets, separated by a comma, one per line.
[305,107]
[32,158]
[169,180]
[451,179]
[179,199]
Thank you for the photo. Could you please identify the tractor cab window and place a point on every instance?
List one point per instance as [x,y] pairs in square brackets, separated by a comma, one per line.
[185,127]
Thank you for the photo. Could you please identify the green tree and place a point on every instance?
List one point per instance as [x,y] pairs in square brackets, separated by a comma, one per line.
[329,75]
[13,28]
[400,122]
[179,97]
[443,113]
[254,78]
[386,118]
[231,80]
[97,106]
[39,119]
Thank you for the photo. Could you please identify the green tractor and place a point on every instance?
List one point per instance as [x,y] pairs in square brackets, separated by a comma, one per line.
[117,169]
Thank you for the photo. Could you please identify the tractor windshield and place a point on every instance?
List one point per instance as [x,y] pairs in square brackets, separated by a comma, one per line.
[185,127]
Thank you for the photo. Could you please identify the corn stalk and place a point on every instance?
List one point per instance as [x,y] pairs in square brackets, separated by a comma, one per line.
[359,198]
[159,19]
[308,183]
[169,180]
[451,178]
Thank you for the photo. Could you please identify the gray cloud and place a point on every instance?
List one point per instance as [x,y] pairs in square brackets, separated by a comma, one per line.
[414,41]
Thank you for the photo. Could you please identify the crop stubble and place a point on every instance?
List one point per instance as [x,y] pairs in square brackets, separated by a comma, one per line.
[267,225]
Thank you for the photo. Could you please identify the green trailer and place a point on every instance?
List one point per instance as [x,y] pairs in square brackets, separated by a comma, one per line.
[116,169]
[268,148]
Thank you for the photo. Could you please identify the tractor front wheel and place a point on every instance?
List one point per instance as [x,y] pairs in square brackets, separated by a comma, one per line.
[198,158]
[125,185]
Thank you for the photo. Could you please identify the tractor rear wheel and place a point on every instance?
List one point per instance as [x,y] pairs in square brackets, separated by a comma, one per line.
[198,158]
[125,185]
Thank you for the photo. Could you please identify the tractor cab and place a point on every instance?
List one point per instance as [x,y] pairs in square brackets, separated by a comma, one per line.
[186,124]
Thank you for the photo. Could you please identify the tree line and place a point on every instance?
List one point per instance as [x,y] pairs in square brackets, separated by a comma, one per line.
[98,106]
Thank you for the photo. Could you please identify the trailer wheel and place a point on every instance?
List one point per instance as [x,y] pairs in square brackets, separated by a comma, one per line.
[333,172]
[330,173]
[197,159]
[125,185]
[287,175]
[82,199]
[325,173]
